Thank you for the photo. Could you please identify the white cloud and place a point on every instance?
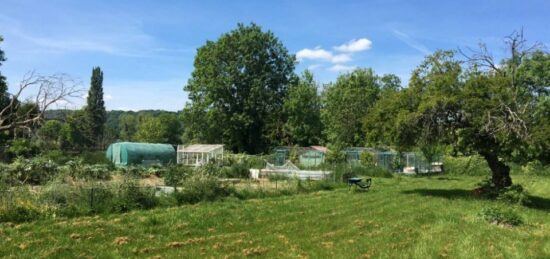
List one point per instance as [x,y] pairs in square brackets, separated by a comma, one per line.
[355,45]
[108,97]
[341,68]
[341,58]
[321,54]
[317,53]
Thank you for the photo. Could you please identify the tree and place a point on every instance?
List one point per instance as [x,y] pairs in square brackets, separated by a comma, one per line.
[476,105]
[237,89]
[49,134]
[164,128]
[127,125]
[4,98]
[50,90]
[95,108]
[345,104]
[303,110]
[151,129]
[76,133]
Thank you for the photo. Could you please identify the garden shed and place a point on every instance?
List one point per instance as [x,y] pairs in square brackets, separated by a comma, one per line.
[199,154]
[129,153]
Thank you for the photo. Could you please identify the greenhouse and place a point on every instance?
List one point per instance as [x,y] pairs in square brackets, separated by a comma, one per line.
[199,154]
[312,156]
[128,153]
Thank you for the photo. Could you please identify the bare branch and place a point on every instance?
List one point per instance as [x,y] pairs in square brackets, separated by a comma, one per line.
[50,90]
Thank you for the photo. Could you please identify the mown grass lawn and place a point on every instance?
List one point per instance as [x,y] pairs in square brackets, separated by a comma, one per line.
[400,217]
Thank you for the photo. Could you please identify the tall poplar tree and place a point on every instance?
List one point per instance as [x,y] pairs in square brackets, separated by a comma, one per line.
[95,108]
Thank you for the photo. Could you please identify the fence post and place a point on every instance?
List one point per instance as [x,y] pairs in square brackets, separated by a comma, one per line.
[92,199]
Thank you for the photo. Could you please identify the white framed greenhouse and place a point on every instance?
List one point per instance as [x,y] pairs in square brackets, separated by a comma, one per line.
[199,154]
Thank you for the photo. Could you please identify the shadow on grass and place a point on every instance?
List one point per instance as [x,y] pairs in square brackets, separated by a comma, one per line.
[443,193]
[538,203]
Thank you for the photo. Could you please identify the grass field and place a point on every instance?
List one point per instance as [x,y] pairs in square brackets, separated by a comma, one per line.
[400,217]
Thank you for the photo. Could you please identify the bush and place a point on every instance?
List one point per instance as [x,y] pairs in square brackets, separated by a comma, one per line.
[22,148]
[174,175]
[131,196]
[237,170]
[32,171]
[514,194]
[202,185]
[466,165]
[535,168]
[19,213]
[93,158]
[498,216]
[78,170]
[57,156]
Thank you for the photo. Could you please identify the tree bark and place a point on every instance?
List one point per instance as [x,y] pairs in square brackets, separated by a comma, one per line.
[501,172]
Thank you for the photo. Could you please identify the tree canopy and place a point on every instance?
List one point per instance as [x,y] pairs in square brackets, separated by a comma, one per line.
[95,108]
[476,105]
[302,108]
[237,89]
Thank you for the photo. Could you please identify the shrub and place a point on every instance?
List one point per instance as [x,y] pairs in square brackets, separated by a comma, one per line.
[202,185]
[514,194]
[498,216]
[32,171]
[535,168]
[131,196]
[96,157]
[22,148]
[57,156]
[466,165]
[237,170]
[174,175]
[19,213]
[78,170]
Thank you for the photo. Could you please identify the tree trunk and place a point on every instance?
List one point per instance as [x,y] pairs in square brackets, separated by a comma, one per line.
[501,172]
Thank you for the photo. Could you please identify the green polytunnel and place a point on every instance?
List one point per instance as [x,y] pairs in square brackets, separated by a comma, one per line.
[129,153]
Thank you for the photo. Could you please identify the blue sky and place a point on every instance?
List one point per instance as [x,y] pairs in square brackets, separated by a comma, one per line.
[146,48]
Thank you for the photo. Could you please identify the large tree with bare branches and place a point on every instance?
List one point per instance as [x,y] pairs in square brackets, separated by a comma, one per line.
[33,96]
[497,109]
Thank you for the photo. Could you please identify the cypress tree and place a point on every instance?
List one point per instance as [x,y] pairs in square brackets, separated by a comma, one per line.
[95,108]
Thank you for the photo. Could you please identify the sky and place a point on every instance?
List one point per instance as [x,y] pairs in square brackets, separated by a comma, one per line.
[146,49]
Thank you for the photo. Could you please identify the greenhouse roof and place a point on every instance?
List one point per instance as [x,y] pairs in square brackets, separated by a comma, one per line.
[200,148]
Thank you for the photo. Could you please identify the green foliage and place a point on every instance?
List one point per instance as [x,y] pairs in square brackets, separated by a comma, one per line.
[174,175]
[49,136]
[237,90]
[535,168]
[500,216]
[33,171]
[466,165]
[303,110]
[22,147]
[76,133]
[367,159]
[95,109]
[202,185]
[162,129]
[77,169]
[237,170]
[335,155]
[20,213]
[514,194]
[131,196]
[345,104]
